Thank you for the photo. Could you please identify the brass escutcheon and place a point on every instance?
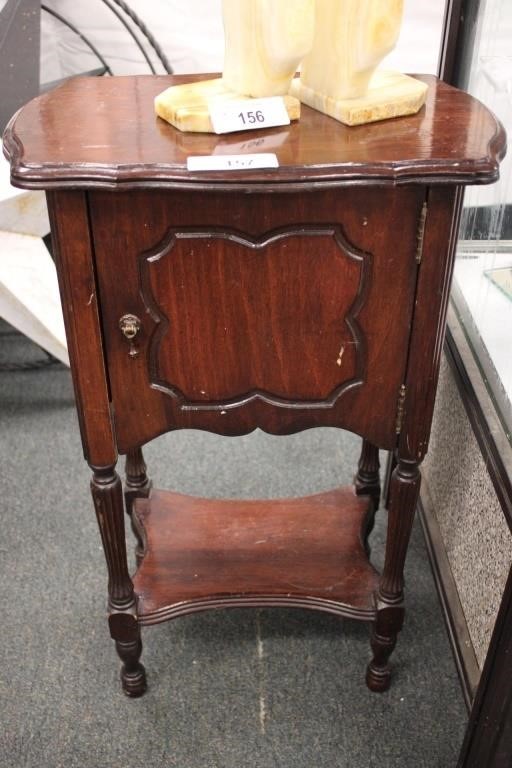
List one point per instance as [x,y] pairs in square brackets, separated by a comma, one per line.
[130,326]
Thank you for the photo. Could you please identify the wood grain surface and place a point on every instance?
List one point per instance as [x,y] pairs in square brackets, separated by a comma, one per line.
[319,299]
[116,140]
[203,553]
[274,311]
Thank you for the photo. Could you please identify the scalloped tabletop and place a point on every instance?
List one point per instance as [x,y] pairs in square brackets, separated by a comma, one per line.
[102,132]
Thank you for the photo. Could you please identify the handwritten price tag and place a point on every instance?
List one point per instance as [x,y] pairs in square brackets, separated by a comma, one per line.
[248,114]
[232,162]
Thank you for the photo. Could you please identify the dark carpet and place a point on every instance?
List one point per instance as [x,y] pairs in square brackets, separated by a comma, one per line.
[259,688]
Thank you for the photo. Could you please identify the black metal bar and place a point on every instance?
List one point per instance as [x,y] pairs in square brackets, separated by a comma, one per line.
[132,34]
[80,35]
[145,31]
[460,24]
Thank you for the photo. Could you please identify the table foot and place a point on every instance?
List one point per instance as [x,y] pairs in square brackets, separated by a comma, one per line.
[378,673]
[133,674]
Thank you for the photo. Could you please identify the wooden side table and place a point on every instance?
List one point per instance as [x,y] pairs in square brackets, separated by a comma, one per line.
[310,295]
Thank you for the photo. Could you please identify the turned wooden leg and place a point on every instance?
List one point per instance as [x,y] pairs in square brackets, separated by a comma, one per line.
[107,495]
[133,674]
[404,490]
[137,485]
[367,483]
[386,485]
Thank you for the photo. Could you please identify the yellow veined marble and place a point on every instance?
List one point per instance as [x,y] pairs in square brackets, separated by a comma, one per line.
[187,106]
[341,43]
[339,76]
[351,38]
[390,94]
[265,43]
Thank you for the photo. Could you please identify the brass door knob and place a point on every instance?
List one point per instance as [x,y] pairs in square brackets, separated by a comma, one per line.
[130,326]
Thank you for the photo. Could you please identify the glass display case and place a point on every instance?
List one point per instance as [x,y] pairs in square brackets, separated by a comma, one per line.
[482,291]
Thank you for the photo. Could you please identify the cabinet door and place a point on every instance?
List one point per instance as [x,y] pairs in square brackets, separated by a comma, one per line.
[278,311]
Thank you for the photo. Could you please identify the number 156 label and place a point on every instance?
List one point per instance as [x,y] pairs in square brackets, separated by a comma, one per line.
[248,114]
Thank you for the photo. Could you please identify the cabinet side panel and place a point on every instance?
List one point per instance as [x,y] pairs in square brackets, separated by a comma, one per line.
[429,320]
[73,253]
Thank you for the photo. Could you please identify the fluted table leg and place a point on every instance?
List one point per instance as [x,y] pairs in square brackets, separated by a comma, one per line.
[367,483]
[405,486]
[107,495]
[137,485]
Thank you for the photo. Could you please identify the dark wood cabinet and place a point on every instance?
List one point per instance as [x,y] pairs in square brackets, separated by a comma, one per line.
[271,311]
[310,295]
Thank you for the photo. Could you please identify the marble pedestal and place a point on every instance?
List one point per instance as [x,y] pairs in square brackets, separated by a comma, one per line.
[390,94]
[187,106]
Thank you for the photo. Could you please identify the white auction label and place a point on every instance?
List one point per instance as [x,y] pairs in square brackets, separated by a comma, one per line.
[248,114]
[232,162]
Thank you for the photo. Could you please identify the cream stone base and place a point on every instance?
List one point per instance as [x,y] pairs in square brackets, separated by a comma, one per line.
[187,106]
[390,94]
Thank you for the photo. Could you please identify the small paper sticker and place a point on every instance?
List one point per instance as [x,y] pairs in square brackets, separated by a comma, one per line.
[260,142]
[232,162]
[248,114]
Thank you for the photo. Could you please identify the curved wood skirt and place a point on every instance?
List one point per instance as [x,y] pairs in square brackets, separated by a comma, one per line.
[201,554]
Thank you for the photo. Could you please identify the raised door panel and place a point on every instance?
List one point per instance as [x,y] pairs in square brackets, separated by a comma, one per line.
[239,318]
[274,311]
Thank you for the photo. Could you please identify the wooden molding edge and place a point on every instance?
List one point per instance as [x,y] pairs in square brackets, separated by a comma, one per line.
[453,612]
[93,174]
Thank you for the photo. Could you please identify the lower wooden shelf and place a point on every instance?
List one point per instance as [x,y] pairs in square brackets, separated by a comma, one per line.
[301,552]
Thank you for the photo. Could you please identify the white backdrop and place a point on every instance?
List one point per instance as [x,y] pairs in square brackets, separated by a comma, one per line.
[190,33]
